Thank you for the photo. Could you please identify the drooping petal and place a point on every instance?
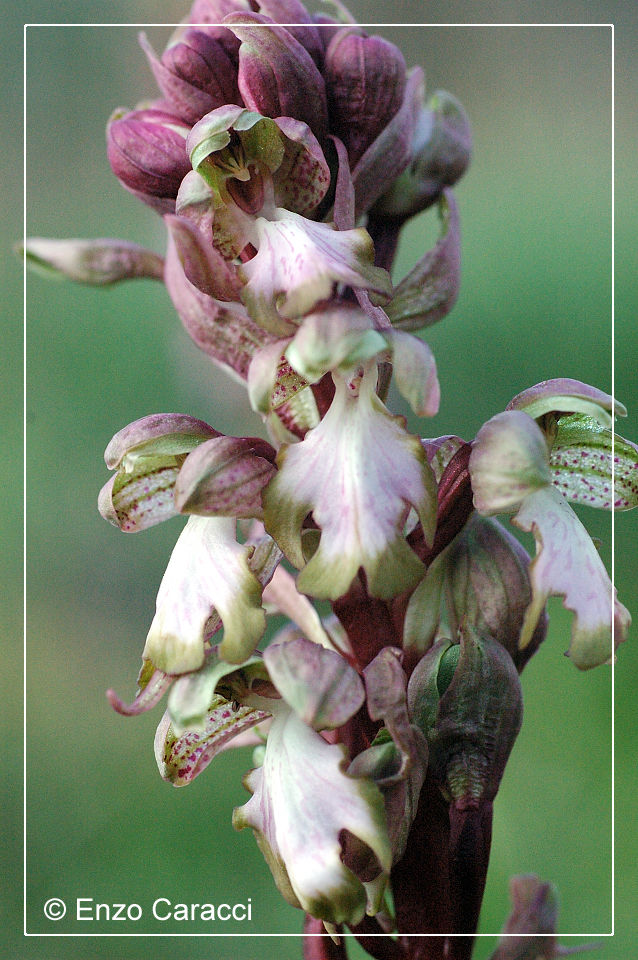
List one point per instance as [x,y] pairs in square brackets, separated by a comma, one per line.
[585,455]
[568,565]
[358,472]
[415,372]
[429,291]
[202,263]
[181,758]
[207,573]
[297,264]
[320,686]
[148,696]
[302,801]
[224,331]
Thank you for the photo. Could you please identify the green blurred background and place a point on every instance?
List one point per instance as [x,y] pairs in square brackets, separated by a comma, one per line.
[535,303]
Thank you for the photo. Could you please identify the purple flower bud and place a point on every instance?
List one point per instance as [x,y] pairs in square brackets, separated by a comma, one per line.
[365,78]
[441,151]
[195,74]
[294,12]
[147,152]
[208,16]
[277,75]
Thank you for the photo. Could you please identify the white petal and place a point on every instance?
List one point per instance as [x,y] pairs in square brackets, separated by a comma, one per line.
[568,565]
[301,802]
[207,574]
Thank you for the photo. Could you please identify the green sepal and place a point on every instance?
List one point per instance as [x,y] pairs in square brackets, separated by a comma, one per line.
[581,464]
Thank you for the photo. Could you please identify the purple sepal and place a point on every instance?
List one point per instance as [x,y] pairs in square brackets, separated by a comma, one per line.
[277,76]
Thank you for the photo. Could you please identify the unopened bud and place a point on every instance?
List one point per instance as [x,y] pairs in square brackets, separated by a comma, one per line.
[365,79]
[195,74]
[441,151]
[467,700]
[147,152]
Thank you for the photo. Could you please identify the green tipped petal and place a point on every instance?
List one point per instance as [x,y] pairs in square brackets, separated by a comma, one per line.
[302,801]
[208,574]
[360,458]
[568,565]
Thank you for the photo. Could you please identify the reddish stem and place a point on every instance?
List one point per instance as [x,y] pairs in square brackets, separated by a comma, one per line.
[317,945]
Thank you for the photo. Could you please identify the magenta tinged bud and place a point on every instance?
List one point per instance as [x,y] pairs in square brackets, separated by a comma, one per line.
[208,15]
[147,152]
[441,152]
[195,74]
[365,79]
[277,75]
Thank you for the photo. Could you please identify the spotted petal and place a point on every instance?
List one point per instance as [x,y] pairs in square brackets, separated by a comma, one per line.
[358,472]
[302,801]
[181,758]
[584,455]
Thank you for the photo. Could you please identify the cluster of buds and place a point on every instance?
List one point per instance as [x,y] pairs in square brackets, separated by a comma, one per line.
[284,161]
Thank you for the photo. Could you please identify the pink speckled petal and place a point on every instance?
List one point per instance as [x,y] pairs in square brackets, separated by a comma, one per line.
[581,464]
[181,759]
